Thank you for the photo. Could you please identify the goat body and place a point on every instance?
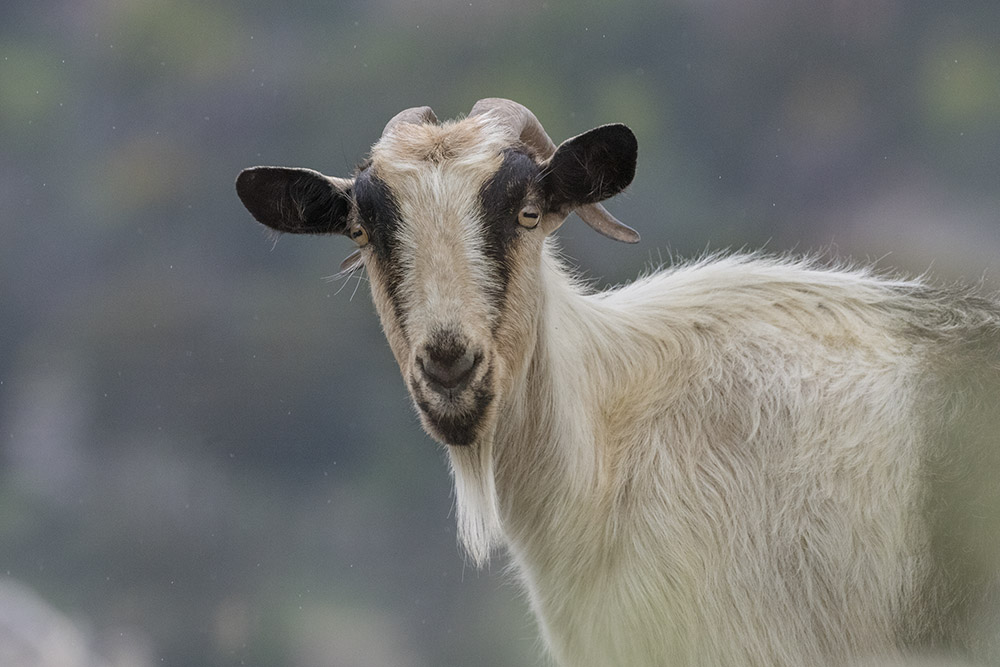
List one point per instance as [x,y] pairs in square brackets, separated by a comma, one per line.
[738,461]
[726,464]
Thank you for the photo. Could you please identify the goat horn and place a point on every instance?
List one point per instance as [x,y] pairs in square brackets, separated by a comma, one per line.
[524,123]
[413,115]
[520,119]
[606,224]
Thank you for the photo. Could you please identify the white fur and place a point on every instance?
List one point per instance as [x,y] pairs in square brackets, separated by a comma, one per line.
[722,463]
[703,469]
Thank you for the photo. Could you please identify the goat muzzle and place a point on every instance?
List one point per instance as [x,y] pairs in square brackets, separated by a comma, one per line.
[448,373]
[453,386]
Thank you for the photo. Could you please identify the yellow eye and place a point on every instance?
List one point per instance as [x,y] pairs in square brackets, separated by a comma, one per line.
[359,234]
[528,216]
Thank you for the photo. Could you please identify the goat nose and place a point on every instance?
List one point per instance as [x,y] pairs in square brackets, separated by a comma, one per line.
[448,370]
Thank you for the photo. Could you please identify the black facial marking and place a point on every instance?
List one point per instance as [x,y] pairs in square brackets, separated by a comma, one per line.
[501,198]
[462,429]
[378,210]
[379,214]
[445,346]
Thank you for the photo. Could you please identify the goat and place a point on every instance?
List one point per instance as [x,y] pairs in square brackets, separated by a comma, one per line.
[741,460]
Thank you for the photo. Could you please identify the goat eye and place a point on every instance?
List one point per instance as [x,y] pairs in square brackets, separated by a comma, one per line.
[528,216]
[359,234]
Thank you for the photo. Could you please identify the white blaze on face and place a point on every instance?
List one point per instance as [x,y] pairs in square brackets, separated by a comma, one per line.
[441,311]
[440,242]
[445,285]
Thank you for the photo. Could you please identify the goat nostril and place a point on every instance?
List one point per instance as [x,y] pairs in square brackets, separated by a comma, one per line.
[449,373]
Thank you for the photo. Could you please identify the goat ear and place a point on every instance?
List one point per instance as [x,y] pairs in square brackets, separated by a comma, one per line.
[298,201]
[590,167]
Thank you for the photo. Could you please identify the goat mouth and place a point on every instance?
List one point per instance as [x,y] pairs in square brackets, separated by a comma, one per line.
[455,416]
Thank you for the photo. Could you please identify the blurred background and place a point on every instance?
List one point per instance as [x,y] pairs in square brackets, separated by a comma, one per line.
[207,456]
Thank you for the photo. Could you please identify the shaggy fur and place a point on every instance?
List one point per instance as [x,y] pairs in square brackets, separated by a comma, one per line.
[726,463]
[742,460]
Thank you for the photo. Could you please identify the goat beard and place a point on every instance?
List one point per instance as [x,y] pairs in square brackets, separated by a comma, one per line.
[478,508]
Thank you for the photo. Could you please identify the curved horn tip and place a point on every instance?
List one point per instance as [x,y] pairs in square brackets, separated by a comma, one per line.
[412,116]
[521,121]
[626,235]
[631,237]
[489,103]
[602,222]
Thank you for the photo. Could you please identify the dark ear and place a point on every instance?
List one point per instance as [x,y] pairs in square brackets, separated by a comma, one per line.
[298,201]
[590,167]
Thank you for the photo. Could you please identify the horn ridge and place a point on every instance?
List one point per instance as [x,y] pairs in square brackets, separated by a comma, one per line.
[521,120]
[412,116]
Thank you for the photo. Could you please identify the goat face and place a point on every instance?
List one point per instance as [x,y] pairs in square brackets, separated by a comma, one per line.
[451,220]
